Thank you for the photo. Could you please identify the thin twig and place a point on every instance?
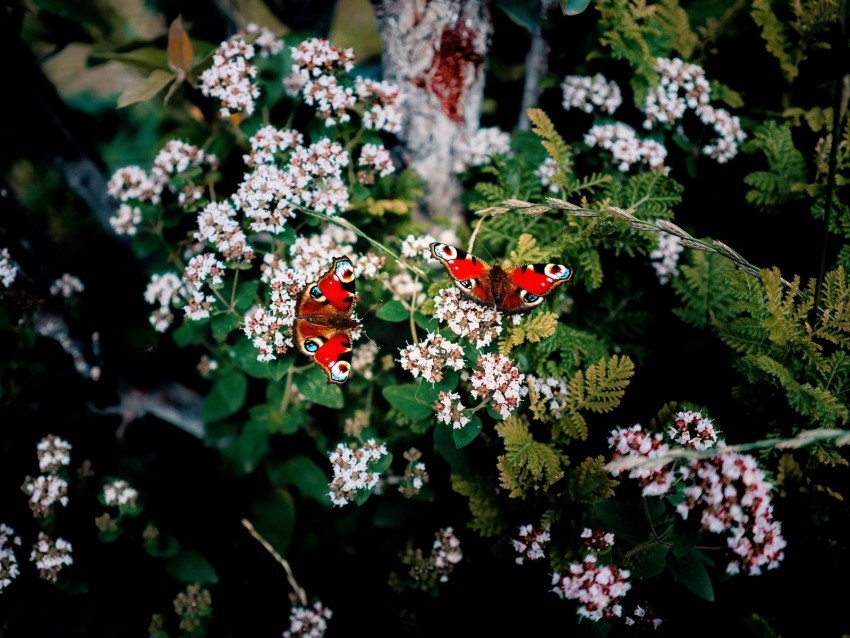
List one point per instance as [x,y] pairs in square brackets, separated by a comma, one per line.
[299,591]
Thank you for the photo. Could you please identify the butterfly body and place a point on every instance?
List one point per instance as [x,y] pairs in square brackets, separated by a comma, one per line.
[323,321]
[513,290]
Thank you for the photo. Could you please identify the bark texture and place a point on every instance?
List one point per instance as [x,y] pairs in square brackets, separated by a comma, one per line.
[435,50]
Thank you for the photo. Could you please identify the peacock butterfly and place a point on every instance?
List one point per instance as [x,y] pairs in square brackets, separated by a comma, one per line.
[512,290]
[323,321]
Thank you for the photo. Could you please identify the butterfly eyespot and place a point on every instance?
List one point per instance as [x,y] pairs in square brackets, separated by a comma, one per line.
[446,251]
[468,284]
[312,345]
[340,371]
[530,299]
[556,271]
[316,293]
[345,271]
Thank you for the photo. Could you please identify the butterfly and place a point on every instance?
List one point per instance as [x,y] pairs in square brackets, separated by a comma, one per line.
[512,290]
[323,320]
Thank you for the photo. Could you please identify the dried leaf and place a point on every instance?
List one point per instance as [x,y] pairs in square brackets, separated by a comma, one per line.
[146,89]
[179,48]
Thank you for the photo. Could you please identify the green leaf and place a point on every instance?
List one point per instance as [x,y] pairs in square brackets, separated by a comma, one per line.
[521,12]
[243,354]
[222,325]
[408,399]
[188,334]
[246,295]
[315,387]
[304,474]
[573,7]
[273,516]
[393,310]
[190,566]
[690,571]
[468,433]
[250,448]
[226,396]
[649,562]
[445,446]
[146,89]
[161,546]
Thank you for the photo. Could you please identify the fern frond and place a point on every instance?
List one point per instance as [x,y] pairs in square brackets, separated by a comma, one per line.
[529,251]
[487,518]
[551,140]
[533,329]
[651,195]
[604,384]
[773,33]
[624,31]
[527,464]
[703,287]
[590,482]
[672,20]
[664,417]
[786,164]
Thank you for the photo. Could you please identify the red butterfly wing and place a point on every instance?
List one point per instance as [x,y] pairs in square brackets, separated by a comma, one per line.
[329,347]
[323,322]
[526,286]
[469,274]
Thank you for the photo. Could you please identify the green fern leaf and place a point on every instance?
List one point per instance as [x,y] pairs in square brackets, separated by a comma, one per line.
[606,382]
[773,33]
[527,465]
[487,518]
[590,482]
[787,168]
[554,144]
[703,287]
[672,20]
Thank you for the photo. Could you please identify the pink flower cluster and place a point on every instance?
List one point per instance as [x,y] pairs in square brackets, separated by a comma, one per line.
[430,357]
[450,410]
[591,93]
[382,102]
[230,79]
[352,470]
[625,146]
[308,622]
[532,541]
[693,430]
[666,257]
[634,441]
[316,66]
[598,588]
[497,379]
[466,318]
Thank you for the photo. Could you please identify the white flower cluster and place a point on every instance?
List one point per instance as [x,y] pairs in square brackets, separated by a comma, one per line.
[666,257]
[308,622]
[351,467]
[546,171]
[119,493]
[51,557]
[598,588]
[54,453]
[382,102]
[446,552]
[167,291]
[230,79]
[9,569]
[450,410]
[415,474]
[263,39]
[531,544]
[8,268]
[363,359]
[406,289]
[467,318]
[625,147]
[497,379]
[430,357]
[218,226]
[591,93]
[44,492]
[269,141]
[316,65]
[312,255]
[635,442]
[377,159]
[684,86]
[413,247]
[172,168]
[693,430]
[201,269]
[596,540]
[477,151]
[66,286]
[731,495]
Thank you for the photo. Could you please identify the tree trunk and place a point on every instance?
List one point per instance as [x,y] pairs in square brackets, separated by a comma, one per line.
[435,50]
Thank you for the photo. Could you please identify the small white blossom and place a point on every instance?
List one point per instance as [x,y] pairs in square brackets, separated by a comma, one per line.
[450,410]
[8,268]
[497,379]
[598,588]
[218,226]
[625,147]
[546,171]
[126,220]
[51,557]
[351,467]
[119,493]
[167,291]
[9,569]
[591,93]
[430,357]
[44,492]
[531,544]
[383,102]
[308,622]
[54,453]
[466,318]
[66,286]
[693,430]
[230,79]
[477,151]
[666,256]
